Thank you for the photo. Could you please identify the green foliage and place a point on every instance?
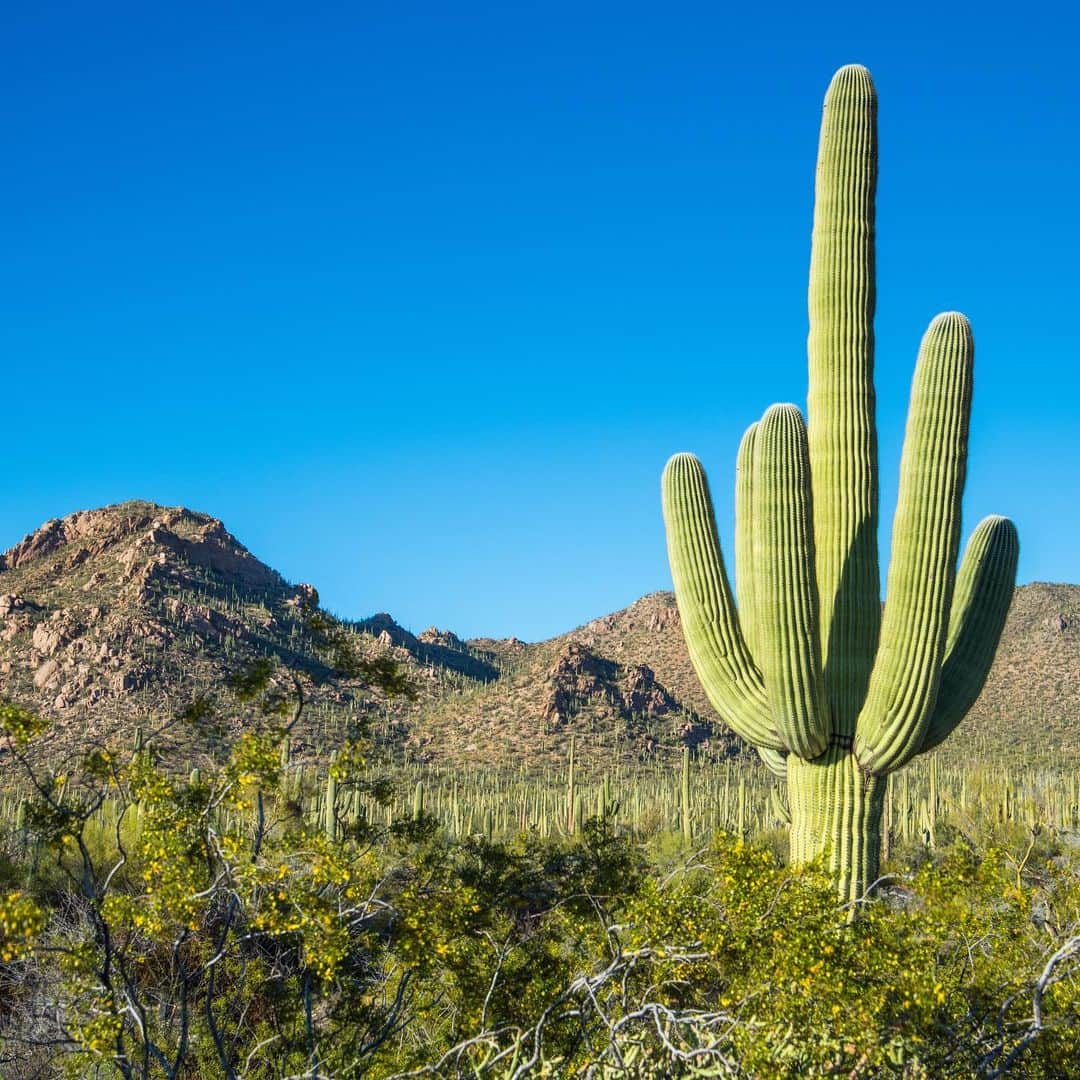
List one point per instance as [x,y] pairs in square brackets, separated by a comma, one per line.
[341,654]
[937,980]
[211,923]
[18,724]
[171,924]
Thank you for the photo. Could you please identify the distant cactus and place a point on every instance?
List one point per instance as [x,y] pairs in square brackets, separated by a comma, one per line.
[834,693]
[684,799]
[572,821]
[330,819]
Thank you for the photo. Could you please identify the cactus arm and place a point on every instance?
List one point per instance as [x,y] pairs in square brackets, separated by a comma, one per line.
[984,591]
[774,761]
[784,582]
[926,533]
[710,624]
[744,539]
[840,400]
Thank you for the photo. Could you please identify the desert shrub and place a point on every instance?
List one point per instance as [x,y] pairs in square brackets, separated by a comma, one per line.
[741,967]
[160,924]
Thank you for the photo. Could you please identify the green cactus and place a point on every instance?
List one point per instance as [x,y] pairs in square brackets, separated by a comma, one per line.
[684,799]
[571,794]
[330,819]
[834,693]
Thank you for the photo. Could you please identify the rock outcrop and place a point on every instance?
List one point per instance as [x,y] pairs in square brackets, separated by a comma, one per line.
[111,617]
[580,676]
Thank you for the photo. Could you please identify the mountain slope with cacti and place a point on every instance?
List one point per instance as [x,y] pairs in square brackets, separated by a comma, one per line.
[114,619]
[1027,714]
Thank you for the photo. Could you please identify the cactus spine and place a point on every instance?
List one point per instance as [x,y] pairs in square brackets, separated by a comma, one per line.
[834,694]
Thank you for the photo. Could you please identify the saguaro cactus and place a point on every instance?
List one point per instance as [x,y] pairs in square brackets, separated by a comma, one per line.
[834,693]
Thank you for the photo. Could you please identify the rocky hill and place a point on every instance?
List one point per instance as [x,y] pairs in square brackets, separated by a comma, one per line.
[116,618]
[1029,710]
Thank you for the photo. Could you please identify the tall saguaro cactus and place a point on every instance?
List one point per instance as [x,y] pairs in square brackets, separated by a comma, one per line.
[834,693]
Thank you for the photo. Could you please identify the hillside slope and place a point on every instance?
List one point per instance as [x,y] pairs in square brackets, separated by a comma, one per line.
[116,618]
[1028,713]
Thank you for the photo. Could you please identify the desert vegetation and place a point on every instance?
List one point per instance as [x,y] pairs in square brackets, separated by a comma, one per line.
[264,919]
[313,857]
[262,916]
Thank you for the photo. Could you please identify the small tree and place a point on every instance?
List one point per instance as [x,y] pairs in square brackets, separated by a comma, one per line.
[210,926]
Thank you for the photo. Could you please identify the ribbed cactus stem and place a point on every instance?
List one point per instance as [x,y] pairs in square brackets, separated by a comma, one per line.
[984,590]
[833,695]
[710,623]
[887,823]
[784,585]
[330,822]
[774,761]
[778,807]
[932,802]
[840,400]
[926,538]
[571,792]
[744,539]
[836,815]
[684,798]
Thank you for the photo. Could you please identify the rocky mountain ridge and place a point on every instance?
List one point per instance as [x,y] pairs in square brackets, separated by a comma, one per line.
[116,617]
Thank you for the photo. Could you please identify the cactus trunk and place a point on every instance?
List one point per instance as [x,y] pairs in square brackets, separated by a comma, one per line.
[836,813]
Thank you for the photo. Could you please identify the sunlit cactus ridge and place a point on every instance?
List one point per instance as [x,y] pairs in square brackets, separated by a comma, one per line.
[834,692]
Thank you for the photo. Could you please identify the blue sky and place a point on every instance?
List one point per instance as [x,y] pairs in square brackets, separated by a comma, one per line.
[419,298]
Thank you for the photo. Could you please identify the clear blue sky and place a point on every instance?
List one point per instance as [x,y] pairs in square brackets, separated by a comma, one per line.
[418,298]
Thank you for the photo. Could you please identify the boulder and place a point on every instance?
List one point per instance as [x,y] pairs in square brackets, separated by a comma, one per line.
[45,674]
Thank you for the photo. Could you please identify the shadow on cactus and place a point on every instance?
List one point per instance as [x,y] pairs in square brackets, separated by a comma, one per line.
[834,692]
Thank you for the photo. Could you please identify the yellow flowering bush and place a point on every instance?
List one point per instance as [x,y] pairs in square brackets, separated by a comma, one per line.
[21,920]
[197,925]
